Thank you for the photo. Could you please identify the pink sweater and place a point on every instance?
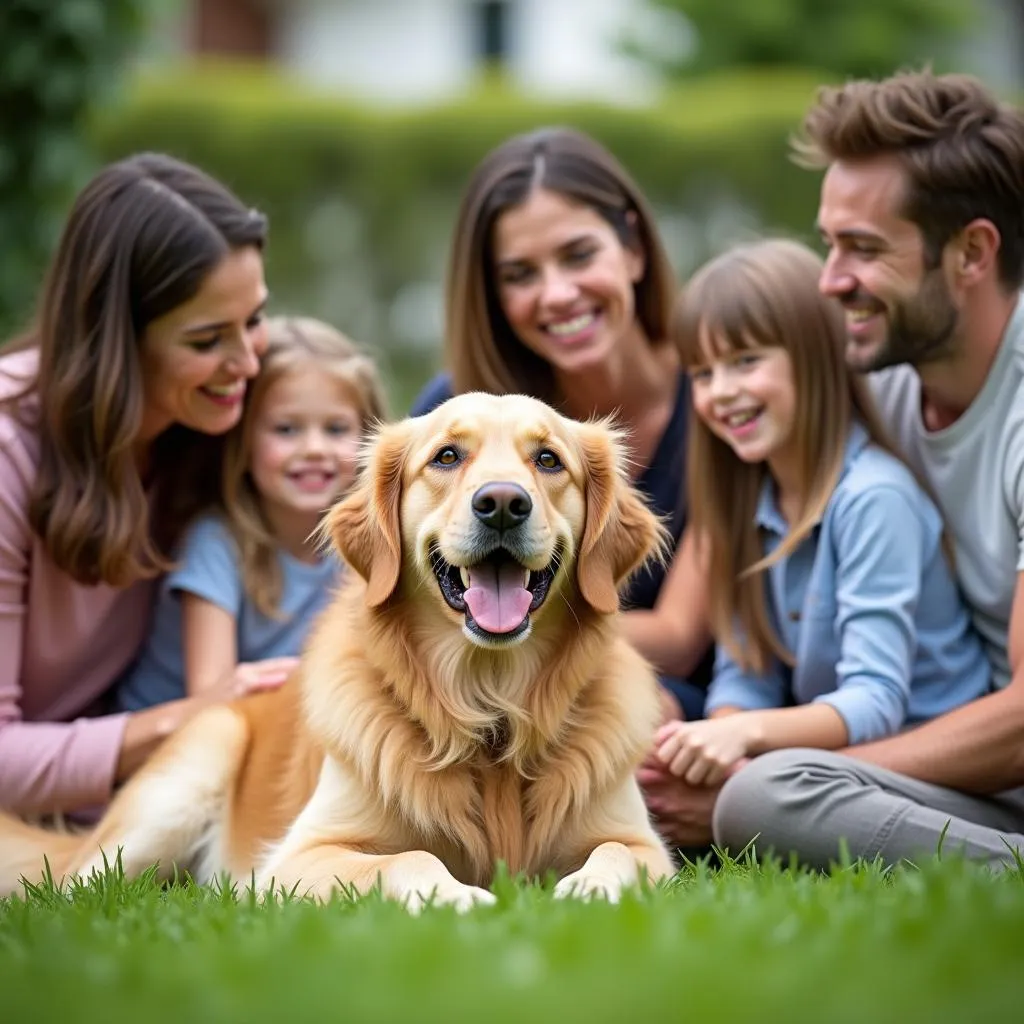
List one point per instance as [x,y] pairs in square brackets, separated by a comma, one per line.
[62,645]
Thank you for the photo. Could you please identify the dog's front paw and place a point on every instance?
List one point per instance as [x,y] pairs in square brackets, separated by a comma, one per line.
[587,885]
[450,894]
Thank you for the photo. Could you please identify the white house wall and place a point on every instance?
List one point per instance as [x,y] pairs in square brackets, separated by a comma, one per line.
[420,50]
[387,49]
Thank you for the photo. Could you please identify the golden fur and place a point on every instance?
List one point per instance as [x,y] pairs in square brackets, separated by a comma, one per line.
[413,747]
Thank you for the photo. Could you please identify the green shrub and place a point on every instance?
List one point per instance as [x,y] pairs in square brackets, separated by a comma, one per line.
[58,59]
[362,199]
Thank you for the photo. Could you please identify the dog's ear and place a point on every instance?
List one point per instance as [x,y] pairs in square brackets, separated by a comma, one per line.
[364,526]
[621,532]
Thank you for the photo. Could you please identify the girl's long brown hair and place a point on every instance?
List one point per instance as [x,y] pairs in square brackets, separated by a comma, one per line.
[139,241]
[765,293]
[293,344]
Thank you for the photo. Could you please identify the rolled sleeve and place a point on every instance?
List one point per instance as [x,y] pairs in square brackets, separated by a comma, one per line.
[734,687]
[880,546]
[208,566]
[47,767]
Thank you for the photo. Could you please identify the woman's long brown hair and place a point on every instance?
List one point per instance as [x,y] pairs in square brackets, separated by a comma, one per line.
[139,241]
[484,353]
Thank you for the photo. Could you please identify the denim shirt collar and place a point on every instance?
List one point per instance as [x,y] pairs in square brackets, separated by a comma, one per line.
[769,517]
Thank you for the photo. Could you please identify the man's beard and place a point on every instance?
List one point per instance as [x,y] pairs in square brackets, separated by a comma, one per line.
[920,329]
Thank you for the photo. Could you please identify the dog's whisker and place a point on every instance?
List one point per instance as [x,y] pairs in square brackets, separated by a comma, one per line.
[572,610]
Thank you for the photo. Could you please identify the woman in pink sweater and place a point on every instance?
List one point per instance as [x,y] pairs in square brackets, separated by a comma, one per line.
[149,326]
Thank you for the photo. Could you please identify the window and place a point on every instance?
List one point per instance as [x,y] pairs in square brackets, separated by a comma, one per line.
[492,30]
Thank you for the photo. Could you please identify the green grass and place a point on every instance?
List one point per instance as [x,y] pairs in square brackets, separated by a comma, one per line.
[745,943]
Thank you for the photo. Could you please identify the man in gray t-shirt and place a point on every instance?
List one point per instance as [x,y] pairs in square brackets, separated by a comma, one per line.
[921,210]
[975,468]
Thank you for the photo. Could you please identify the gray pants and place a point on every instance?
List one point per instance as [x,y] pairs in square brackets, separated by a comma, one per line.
[806,801]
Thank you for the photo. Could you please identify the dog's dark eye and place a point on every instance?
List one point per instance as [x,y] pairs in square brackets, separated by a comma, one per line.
[547,459]
[447,456]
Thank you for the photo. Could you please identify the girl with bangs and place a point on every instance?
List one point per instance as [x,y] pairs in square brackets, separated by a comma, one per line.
[830,594]
[250,579]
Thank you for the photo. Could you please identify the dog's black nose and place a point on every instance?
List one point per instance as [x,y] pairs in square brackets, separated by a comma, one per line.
[502,505]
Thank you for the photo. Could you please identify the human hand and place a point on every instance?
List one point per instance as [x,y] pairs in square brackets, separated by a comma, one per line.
[681,813]
[651,771]
[253,677]
[704,753]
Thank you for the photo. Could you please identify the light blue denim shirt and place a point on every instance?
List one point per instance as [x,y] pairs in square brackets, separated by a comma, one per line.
[209,567]
[867,605]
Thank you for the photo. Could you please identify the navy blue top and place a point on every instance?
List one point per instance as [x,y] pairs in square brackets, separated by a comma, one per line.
[662,482]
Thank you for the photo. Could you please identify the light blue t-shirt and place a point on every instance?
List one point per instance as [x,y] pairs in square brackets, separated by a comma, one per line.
[867,605]
[208,566]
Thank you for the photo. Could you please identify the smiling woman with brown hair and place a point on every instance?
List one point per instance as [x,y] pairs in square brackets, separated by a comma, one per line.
[149,325]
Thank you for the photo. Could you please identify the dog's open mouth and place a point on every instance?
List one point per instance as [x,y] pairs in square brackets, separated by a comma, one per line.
[496,595]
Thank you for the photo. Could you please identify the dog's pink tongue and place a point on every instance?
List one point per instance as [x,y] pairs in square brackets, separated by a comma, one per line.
[497,599]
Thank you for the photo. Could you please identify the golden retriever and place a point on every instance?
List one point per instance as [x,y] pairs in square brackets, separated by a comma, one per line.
[466,698]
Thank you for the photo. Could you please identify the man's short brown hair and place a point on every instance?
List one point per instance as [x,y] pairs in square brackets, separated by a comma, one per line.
[962,151]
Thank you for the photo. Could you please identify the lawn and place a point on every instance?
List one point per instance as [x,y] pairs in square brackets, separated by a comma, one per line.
[744,943]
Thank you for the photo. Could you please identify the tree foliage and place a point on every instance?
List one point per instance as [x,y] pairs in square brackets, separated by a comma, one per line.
[846,37]
[57,59]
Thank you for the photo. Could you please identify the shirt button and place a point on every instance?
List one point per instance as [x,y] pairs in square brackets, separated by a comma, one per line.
[794,616]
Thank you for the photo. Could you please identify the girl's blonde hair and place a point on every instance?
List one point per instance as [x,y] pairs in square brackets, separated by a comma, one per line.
[765,293]
[293,343]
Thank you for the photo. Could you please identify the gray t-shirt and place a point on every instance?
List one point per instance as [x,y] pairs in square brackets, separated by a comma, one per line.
[975,467]
[208,566]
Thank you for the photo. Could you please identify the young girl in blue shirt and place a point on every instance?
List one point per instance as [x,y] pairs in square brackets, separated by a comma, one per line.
[232,617]
[830,593]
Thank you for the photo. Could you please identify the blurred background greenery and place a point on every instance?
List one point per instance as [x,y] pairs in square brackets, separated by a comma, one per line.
[354,123]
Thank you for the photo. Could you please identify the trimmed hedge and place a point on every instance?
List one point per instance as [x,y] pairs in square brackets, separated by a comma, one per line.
[59,59]
[362,199]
